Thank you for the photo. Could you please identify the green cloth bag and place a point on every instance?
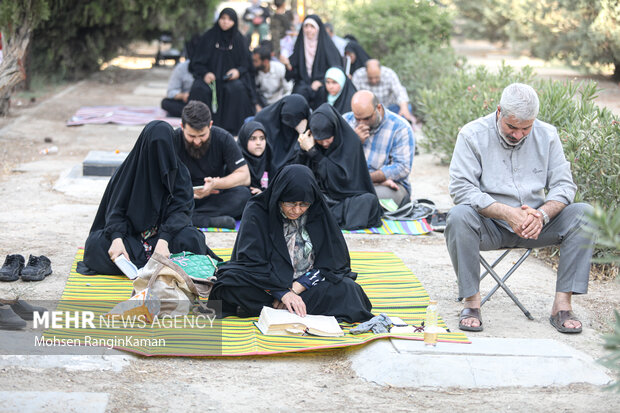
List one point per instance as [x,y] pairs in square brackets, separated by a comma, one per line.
[200,268]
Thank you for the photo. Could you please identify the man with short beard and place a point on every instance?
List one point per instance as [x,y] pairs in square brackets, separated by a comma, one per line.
[218,170]
[388,143]
[513,188]
[270,82]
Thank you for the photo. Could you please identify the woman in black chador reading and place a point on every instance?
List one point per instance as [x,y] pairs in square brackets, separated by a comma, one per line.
[334,153]
[223,56]
[146,207]
[290,253]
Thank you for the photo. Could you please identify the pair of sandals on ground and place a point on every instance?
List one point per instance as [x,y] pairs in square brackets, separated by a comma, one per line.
[556,320]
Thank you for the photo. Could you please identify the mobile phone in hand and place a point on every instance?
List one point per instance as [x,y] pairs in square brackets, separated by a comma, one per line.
[227,76]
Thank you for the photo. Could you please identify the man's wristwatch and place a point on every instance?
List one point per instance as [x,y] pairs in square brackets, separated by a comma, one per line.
[544,216]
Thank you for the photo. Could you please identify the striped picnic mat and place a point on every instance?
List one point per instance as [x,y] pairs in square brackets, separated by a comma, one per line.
[122,115]
[388,227]
[389,284]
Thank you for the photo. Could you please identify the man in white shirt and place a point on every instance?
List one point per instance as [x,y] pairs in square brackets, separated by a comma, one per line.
[270,82]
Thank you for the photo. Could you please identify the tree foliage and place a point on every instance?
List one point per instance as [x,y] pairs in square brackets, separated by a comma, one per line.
[385,26]
[80,35]
[580,32]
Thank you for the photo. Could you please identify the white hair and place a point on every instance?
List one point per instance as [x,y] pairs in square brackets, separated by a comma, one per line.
[519,100]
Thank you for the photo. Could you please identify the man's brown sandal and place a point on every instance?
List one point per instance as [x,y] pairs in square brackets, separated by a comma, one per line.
[560,318]
[470,313]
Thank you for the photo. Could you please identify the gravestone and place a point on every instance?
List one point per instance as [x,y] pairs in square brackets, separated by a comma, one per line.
[102,163]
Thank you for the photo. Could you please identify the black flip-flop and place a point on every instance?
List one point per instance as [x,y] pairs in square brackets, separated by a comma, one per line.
[470,313]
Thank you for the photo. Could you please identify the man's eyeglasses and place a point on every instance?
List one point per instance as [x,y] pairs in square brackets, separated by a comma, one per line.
[296,204]
[367,118]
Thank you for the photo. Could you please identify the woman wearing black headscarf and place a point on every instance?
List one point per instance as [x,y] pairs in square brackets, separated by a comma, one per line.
[146,207]
[223,57]
[354,51]
[283,122]
[290,253]
[253,144]
[339,165]
[313,54]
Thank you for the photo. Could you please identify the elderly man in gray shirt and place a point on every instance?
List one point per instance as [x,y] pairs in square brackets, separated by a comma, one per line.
[502,165]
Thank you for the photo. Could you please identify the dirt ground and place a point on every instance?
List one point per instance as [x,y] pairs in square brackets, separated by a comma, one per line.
[37,219]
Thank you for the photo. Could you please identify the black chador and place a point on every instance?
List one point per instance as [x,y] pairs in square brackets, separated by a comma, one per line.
[261,268]
[280,120]
[258,165]
[361,57]
[148,198]
[341,171]
[218,52]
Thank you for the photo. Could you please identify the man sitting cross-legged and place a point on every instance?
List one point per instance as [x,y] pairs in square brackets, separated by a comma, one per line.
[502,165]
[218,170]
[388,143]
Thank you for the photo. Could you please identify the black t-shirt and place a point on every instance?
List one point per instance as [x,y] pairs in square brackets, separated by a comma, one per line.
[222,156]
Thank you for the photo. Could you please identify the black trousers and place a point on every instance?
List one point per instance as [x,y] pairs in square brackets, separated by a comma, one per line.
[174,107]
[230,202]
[345,300]
[98,261]
[234,104]
[356,212]
[315,98]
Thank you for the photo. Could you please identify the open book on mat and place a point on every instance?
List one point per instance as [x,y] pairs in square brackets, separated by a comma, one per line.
[274,322]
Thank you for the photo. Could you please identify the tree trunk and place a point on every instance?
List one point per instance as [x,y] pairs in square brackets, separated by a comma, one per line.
[12,68]
[616,75]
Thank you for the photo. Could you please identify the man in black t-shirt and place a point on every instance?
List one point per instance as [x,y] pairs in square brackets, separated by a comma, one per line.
[211,153]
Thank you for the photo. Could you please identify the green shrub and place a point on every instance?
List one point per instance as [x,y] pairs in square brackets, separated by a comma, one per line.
[590,136]
[421,68]
[385,26]
[612,359]
[606,231]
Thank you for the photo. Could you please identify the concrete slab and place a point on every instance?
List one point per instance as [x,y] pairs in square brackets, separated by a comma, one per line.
[486,363]
[115,363]
[50,402]
[102,163]
[89,189]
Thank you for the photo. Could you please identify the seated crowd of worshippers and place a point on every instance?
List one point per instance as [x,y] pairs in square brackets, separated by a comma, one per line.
[236,84]
[290,252]
[318,160]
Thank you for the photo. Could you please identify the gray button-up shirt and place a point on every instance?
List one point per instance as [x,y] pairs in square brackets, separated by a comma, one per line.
[485,169]
[180,81]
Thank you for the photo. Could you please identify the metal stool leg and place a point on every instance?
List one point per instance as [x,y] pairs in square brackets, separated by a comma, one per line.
[501,281]
[497,261]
